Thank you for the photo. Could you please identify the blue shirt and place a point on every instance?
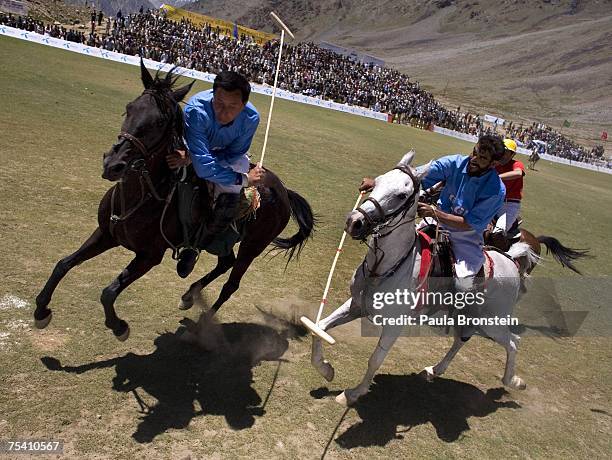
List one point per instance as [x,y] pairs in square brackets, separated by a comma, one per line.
[212,145]
[477,199]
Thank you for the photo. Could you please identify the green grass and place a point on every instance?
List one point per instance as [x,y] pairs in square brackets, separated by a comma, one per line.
[60,111]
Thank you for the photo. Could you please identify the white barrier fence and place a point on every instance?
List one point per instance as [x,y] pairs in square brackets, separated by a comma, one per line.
[261,89]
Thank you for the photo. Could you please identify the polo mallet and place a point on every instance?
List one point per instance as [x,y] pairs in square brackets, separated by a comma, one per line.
[284,29]
[314,327]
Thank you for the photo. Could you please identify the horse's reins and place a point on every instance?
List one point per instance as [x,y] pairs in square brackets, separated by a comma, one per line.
[139,164]
[383,221]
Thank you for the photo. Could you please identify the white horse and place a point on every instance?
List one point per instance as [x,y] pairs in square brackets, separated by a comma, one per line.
[393,262]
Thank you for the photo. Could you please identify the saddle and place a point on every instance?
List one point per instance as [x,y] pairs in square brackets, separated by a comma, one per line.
[194,196]
[438,260]
[503,242]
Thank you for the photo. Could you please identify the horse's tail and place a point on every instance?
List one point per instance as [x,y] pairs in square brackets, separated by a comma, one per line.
[523,254]
[564,255]
[301,212]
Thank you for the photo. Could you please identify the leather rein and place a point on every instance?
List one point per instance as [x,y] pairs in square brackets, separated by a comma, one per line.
[139,165]
[383,221]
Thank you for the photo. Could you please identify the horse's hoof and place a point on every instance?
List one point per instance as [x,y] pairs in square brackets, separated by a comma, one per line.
[430,373]
[43,323]
[185,305]
[122,336]
[341,399]
[326,370]
[516,383]
[347,398]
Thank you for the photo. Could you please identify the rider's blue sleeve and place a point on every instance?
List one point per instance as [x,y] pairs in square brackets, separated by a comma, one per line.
[485,209]
[204,162]
[440,170]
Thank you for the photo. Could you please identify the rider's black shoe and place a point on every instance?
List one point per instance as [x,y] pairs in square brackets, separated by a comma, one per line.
[186,263]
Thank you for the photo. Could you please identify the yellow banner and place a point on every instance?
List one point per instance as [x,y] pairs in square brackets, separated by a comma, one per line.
[225,27]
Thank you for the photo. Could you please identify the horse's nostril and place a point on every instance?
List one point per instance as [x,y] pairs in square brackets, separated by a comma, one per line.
[358,224]
[117,168]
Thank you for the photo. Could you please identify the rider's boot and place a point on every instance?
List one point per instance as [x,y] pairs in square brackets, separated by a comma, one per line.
[226,210]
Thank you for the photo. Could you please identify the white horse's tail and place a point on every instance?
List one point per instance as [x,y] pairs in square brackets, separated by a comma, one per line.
[524,255]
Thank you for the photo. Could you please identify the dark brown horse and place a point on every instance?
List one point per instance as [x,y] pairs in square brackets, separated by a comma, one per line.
[140,212]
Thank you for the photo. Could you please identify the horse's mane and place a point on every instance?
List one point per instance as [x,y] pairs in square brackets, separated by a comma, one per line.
[161,90]
[164,84]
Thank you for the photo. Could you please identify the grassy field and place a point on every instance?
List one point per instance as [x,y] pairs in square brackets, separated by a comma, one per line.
[154,397]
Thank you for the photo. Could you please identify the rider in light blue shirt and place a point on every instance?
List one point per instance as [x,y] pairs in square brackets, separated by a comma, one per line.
[214,146]
[476,198]
[219,128]
[473,193]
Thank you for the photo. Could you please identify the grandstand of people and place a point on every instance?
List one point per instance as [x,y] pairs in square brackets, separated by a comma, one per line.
[198,42]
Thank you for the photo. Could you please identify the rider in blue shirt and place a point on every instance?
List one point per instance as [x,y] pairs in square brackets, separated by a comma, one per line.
[214,146]
[219,128]
[473,193]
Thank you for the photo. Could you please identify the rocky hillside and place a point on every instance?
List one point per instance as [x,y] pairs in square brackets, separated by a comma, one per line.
[50,11]
[110,7]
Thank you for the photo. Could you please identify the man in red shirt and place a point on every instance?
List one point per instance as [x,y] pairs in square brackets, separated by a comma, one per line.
[511,173]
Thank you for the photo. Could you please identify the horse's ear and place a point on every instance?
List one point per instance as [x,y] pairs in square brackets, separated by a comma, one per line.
[423,170]
[407,159]
[180,93]
[147,79]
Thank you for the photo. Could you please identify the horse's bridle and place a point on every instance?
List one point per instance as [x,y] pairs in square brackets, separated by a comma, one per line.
[381,218]
[139,164]
[146,153]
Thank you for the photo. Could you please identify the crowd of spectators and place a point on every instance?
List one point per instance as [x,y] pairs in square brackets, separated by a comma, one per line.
[307,69]
[553,143]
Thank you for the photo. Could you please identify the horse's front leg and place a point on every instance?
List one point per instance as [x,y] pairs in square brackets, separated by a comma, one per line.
[223,265]
[140,265]
[345,313]
[95,245]
[387,338]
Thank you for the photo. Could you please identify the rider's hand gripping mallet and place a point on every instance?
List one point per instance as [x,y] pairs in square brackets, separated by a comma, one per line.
[314,327]
[284,29]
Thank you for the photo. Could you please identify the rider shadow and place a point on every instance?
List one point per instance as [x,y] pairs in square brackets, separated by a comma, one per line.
[409,401]
[178,375]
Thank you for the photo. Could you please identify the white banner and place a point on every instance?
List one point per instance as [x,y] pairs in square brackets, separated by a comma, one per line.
[455,134]
[495,120]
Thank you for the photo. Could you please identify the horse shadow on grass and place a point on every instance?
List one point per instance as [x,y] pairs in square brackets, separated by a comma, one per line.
[179,375]
[397,403]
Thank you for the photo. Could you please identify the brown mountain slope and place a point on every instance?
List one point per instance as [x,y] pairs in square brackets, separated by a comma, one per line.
[545,60]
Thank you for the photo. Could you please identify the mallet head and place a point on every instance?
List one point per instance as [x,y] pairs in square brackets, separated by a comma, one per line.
[282,24]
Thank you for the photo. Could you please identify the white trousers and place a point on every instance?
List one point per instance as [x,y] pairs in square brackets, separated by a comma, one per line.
[507,216]
[240,165]
[467,247]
